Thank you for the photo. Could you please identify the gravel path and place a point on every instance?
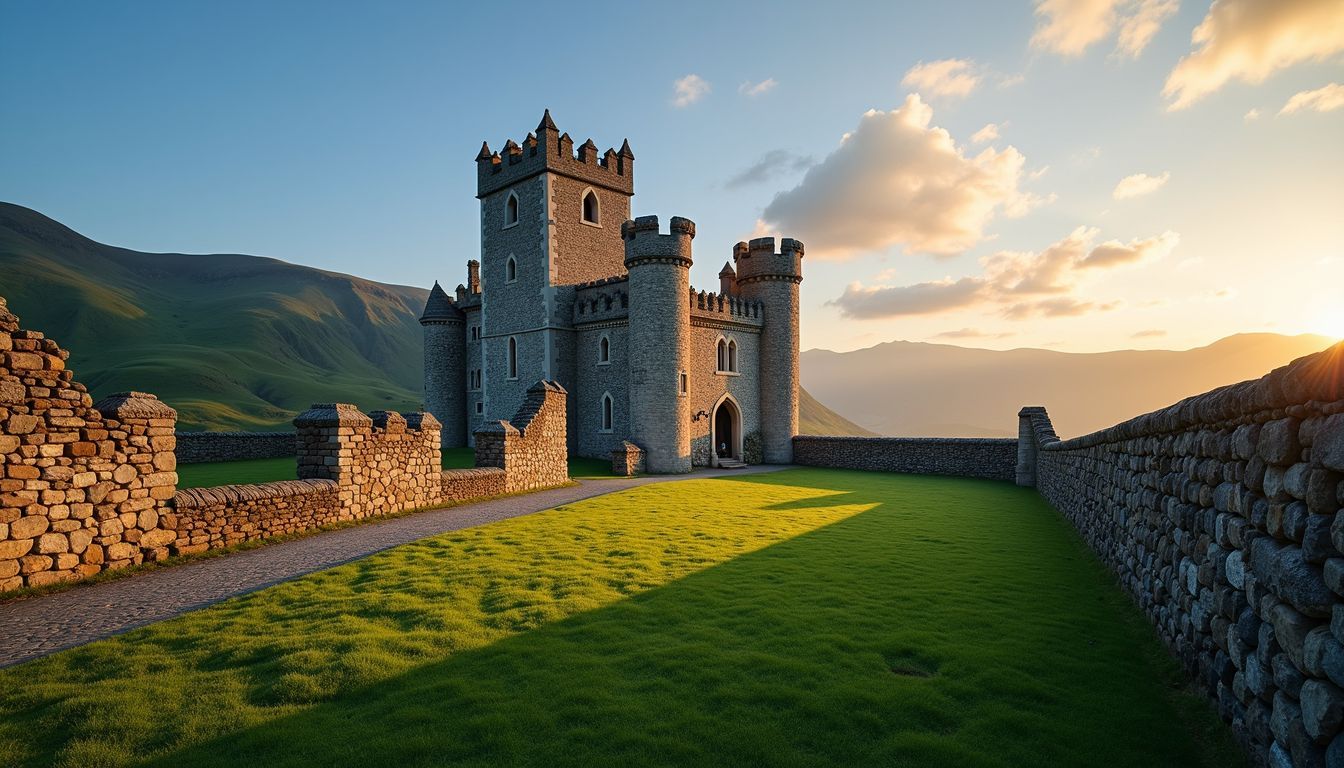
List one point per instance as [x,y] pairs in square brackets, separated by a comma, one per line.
[41,625]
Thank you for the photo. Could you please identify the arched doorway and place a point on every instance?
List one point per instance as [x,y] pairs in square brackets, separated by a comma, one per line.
[727,431]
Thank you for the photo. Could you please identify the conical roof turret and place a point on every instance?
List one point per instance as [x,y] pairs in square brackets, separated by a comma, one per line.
[439,308]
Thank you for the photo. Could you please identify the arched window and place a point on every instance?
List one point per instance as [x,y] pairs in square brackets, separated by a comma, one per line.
[604,350]
[606,412]
[513,357]
[732,355]
[722,355]
[511,210]
[592,213]
[511,271]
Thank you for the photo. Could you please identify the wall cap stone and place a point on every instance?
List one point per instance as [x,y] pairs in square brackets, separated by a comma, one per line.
[333,415]
[134,405]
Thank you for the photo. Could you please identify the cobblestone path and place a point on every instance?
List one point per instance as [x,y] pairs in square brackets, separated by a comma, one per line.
[37,626]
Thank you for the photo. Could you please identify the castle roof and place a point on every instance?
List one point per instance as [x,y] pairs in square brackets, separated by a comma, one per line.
[727,270]
[439,308]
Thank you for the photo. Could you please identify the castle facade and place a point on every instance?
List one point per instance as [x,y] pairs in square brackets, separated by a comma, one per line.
[569,288]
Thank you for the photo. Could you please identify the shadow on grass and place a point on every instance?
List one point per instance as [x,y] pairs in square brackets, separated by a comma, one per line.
[946,625]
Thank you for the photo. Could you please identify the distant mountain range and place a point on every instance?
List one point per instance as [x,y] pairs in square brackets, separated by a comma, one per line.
[918,389]
[231,341]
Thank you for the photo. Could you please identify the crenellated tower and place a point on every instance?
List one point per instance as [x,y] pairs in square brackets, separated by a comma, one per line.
[445,366]
[772,278]
[660,331]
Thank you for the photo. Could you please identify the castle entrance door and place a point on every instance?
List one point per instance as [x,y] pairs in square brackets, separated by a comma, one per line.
[727,431]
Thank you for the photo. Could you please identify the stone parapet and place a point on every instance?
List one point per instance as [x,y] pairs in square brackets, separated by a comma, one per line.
[531,448]
[1221,516]
[989,458]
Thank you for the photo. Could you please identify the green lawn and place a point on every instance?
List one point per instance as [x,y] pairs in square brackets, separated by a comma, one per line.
[800,618]
[268,470]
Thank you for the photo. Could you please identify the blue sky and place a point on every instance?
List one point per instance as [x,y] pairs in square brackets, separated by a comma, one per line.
[342,136]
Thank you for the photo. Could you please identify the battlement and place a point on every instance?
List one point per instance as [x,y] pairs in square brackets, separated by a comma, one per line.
[643,242]
[604,299]
[549,150]
[726,307]
[758,260]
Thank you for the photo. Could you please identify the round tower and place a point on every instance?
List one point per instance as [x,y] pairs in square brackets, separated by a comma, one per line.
[772,279]
[445,366]
[660,334]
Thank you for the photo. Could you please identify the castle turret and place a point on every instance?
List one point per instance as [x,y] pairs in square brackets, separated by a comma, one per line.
[660,330]
[445,368]
[727,280]
[772,279]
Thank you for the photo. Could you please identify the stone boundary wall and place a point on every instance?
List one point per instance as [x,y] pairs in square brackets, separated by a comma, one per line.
[202,447]
[1221,516]
[989,458]
[86,487]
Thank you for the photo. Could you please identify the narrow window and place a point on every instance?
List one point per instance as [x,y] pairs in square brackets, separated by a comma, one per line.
[511,271]
[591,214]
[732,355]
[480,407]
[682,383]
[723,356]
[511,210]
[604,351]
[606,413]
[513,358]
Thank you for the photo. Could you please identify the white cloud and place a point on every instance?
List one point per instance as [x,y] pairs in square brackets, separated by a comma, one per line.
[1021,283]
[951,78]
[1249,40]
[749,88]
[1325,99]
[1070,27]
[985,135]
[689,90]
[1139,184]
[896,179]
[1252,114]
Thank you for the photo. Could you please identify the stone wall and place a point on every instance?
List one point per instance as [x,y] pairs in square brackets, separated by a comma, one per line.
[89,486]
[990,458]
[82,485]
[202,447]
[1221,515]
[530,448]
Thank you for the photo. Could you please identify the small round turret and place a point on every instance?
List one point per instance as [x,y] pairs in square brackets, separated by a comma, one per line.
[445,367]
[772,278]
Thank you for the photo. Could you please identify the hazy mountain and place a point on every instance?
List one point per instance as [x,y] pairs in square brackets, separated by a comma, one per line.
[231,341]
[919,389]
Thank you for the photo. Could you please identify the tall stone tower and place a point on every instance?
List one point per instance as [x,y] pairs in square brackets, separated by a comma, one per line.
[445,366]
[550,218]
[772,278]
[660,335]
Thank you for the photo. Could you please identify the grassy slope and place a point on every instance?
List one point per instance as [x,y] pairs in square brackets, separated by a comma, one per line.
[816,419]
[822,618]
[230,341]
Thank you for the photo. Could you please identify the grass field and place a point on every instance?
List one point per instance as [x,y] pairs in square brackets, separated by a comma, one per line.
[807,617]
[270,470]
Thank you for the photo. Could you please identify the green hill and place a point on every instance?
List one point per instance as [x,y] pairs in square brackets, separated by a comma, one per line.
[231,341]
[816,419]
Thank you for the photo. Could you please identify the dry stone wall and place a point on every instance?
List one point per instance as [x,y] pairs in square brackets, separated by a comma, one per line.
[89,486]
[1221,515]
[990,458]
[82,485]
[202,447]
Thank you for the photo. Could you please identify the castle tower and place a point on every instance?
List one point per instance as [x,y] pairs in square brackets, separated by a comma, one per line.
[550,219]
[445,367]
[660,333]
[772,279]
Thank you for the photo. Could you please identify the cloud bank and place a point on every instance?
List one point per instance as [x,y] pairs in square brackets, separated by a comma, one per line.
[1021,283]
[1324,99]
[897,179]
[1249,40]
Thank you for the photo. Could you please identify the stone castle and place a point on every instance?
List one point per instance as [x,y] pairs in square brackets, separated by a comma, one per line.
[570,289]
